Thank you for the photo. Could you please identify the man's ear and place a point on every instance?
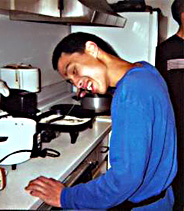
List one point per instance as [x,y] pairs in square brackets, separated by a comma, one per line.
[91,48]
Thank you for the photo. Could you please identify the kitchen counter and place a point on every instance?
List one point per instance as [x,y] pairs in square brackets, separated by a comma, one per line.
[15,197]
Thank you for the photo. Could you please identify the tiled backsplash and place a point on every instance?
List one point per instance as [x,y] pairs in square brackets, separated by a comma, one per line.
[53,93]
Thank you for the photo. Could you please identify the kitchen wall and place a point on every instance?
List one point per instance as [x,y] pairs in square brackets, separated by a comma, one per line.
[168,26]
[136,41]
[33,43]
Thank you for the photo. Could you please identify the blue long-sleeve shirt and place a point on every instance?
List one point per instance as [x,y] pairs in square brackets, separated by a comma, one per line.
[142,147]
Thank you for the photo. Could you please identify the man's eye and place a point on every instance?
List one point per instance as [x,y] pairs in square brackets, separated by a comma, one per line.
[74,71]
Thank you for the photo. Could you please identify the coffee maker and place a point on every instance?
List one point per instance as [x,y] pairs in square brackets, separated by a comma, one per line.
[23,82]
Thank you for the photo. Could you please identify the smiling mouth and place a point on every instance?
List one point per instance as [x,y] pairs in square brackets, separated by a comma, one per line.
[84,91]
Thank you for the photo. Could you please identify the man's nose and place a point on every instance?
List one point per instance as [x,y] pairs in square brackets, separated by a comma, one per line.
[77,82]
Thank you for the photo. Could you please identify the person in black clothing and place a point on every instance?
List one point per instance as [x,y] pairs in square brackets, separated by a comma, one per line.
[170,63]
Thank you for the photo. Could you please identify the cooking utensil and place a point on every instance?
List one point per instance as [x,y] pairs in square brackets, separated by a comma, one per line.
[77,97]
[72,129]
[77,110]
[61,117]
[98,103]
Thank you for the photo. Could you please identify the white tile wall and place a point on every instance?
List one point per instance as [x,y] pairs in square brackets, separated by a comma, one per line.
[33,43]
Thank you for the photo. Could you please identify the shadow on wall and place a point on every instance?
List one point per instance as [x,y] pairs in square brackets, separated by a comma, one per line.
[163,28]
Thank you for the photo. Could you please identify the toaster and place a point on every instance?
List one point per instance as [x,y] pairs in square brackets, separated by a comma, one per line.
[21,76]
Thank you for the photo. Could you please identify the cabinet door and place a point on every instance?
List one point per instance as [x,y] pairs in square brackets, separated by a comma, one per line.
[100,154]
[4,4]
[41,7]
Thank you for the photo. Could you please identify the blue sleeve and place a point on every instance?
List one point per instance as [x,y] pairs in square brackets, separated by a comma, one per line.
[129,146]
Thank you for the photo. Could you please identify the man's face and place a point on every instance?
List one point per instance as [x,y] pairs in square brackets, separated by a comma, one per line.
[182,18]
[84,71]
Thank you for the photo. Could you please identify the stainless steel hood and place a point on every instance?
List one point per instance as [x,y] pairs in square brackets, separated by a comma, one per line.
[69,12]
[103,13]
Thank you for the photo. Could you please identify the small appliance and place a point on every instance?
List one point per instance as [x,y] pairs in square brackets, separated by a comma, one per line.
[23,82]
[16,139]
[19,137]
[21,76]
[20,103]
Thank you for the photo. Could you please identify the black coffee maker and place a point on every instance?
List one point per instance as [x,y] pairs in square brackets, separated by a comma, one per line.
[20,103]
[23,81]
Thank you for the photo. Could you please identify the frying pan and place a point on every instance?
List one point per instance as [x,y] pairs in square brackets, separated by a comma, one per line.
[97,102]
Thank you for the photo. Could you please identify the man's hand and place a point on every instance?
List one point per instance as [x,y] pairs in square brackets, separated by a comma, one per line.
[47,189]
[4,90]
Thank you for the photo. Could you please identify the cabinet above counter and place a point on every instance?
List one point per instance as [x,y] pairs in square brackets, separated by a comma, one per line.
[66,12]
[47,7]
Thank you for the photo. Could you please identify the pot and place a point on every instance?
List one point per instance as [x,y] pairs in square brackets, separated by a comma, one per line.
[98,103]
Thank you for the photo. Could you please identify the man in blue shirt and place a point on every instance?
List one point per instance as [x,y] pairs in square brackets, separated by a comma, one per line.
[143,142]
[170,63]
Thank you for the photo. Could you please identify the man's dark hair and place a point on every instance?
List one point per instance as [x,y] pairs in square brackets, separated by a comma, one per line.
[75,42]
[177,8]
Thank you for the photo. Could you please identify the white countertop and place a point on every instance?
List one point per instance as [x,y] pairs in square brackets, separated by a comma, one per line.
[15,197]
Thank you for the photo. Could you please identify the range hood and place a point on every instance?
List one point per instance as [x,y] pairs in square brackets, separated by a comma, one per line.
[97,12]
[67,12]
